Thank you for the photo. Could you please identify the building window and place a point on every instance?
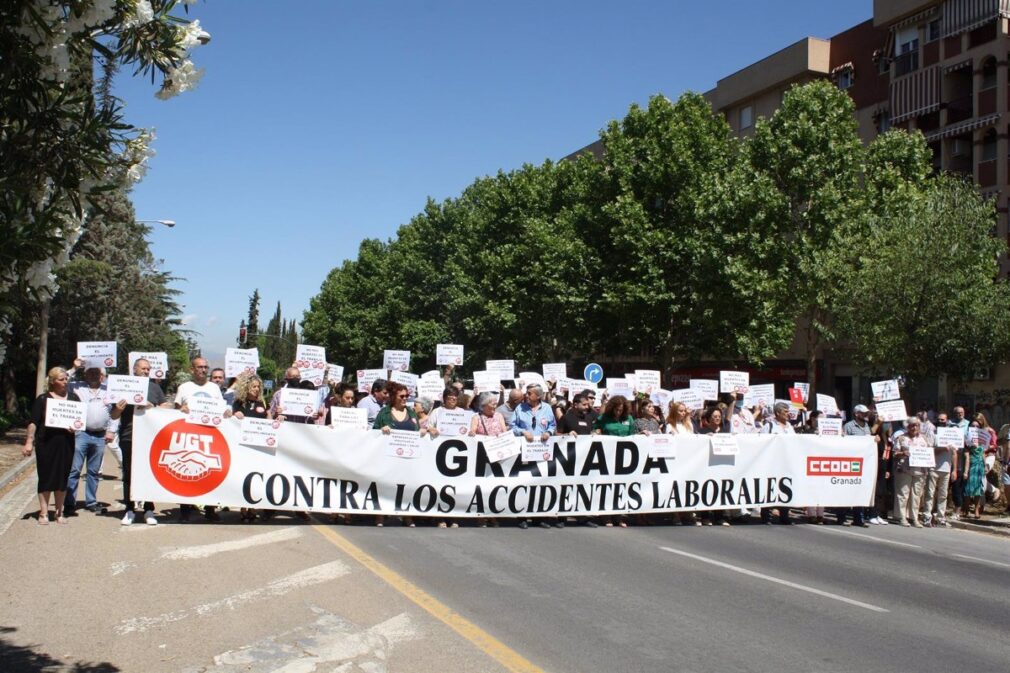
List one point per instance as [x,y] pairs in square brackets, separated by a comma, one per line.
[989,74]
[883,65]
[933,30]
[845,78]
[989,146]
[906,50]
[883,121]
[746,117]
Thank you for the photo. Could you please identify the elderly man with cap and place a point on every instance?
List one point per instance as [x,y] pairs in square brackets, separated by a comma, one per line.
[89,445]
[778,425]
[857,427]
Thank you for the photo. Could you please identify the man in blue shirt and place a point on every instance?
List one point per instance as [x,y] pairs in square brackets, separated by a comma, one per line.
[533,420]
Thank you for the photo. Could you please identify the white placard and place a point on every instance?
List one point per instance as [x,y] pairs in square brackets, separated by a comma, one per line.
[133,389]
[921,455]
[884,391]
[205,410]
[619,386]
[690,397]
[65,414]
[532,378]
[260,432]
[708,388]
[555,371]
[505,369]
[724,444]
[238,361]
[893,410]
[453,422]
[349,417]
[485,381]
[431,388]
[803,387]
[764,392]
[829,427]
[564,385]
[334,373]
[501,447]
[950,438]
[662,446]
[407,379]
[826,404]
[158,362]
[403,444]
[433,375]
[396,360]
[311,362]
[366,377]
[97,353]
[734,382]
[647,380]
[535,451]
[661,398]
[298,402]
[449,354]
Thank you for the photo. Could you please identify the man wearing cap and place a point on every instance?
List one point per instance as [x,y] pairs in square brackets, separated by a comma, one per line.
[857,427]
[89,445]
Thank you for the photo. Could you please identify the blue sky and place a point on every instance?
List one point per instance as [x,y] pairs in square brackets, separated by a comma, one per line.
[320,123]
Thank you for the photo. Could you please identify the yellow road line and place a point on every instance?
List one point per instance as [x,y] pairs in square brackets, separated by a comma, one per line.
[484,641]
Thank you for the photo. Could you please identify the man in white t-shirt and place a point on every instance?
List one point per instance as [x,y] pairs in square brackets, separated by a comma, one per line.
[198,386]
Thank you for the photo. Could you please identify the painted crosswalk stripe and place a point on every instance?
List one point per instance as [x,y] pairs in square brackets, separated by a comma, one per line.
[206,550]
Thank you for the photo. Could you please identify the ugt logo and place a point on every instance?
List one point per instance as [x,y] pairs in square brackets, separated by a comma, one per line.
[189,460]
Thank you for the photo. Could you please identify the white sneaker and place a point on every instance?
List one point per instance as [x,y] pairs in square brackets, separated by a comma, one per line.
[128,518]
[149,518]
[883,521]
[875,521]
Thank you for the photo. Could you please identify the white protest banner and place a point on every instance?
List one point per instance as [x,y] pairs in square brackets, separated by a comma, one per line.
[157,360]
[449,354]
[97,353]
[208,411]
[403,444]
[501,447]
[647,380]
[805,388]
[532,378]
[505,369]
[885,390]
[396,360]
[921,455]
[453,422]
[826,404]
[485,381]
[893,410]
[311,465]
[311,362]
[349,417]
[431,388]
[724,444]
[406,379]
[950,438]
[535,451]
[366,377]
[734,382]
[663,446]
[432,374]
[555,371]
[829,427]
[133,389]
[238,361]
[619,386]
[708,388]
[334,373]
[661,398]
[260,431]
[689,397]
[763,393]
[298,402]
[65,414]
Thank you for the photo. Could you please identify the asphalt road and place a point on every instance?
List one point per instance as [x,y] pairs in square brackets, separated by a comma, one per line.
[286,596]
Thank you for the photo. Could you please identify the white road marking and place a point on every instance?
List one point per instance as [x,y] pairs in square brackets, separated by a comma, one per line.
[203,551]
[120,567]
[862,535]
[776,580]
[983,560]
[305,578]
[12,505]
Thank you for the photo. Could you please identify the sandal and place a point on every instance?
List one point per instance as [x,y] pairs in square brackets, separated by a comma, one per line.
[44,519]
[442,524]
[61,519]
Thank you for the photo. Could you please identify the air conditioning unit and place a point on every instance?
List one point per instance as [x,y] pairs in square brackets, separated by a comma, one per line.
[962,148]
[984,374]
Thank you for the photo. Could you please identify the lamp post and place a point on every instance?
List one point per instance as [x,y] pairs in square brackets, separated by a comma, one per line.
[167,223]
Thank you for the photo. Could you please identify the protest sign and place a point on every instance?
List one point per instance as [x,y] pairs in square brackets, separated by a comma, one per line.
[449,354]
[406,379]
[885,390]
[804,388]
[207,411]
[501,447]
[647,380]
[826,404]
[661,398]
[893,410]
[311,362]
[662,446]
[157,360]
[978,437]
[486,381]
[238,361]
[334,373]
[724,444]
[432,374]
[260,431]
[431,388]
[829,427]
[403,444]
[950,438]
[619,386]
[796,397]
[97,353]
[555,371]
[366,377]
[759,394]
[708,388]
[921,455]
[734,382]
[298,402]
[133,389]
[504,369]
[65,414]
[535,451]
[396,360]
[453,422]
[532,378]
[689,397]
[349,417]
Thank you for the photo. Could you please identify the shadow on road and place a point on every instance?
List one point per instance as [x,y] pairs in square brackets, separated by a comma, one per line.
[24,659]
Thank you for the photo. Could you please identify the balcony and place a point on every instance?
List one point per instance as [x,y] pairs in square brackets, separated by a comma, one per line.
[906,63]
[959,109]
[987,173]
[986,101]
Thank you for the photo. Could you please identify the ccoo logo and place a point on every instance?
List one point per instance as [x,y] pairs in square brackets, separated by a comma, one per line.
[189,460]
[834,467]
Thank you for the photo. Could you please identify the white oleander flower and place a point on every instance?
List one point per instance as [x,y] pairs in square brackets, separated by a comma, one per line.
[181,78]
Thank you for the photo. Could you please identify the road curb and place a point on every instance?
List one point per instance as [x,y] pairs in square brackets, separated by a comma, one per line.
[998,530]
[14,474]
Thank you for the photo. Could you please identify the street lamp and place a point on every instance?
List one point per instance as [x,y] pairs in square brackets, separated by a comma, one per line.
[167,223]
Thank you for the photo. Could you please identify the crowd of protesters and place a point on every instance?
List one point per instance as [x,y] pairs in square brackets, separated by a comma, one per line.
[958,486]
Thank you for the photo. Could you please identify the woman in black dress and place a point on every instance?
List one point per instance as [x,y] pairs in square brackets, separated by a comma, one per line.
[54,447]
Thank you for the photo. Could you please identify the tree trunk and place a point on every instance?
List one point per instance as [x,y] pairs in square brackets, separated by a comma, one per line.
[43,353]
[811,361]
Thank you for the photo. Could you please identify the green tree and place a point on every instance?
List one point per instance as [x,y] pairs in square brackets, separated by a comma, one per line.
[253,319]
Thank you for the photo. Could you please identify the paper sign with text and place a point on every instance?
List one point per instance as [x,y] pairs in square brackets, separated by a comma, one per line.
[207,411]
[885,390]
[453,422]
[555,371]
[826,404]
[403,444]
[396,360]
[65,414]
[238,361]
[692,398]
[648,380]
[921,455]
[505,369]
[724,444]
[501,447]
[366,377]
[334,373]
[764,393]
[406,379]
[133,389]
[805,389]
[158,362]
[449,354]
[431,388]
[707,388]
[662,446]
[950,437]
[829,427]
[893,410]
[734,382]
[535,452]
[298,402]
[260,432]
[97,353]
[349,417]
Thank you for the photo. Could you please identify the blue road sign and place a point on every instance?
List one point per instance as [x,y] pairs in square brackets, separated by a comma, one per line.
[593,373]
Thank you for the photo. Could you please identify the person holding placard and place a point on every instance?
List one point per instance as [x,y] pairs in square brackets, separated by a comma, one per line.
[713,422]
[857,427]
[249,402]
[53,447]
[778,425]
[942,474]
[647,418]
[293,381]
[397,416]
[199,385]
[123,413]
[341,396]
[615,420]
[450,400]
[908,481]
[89,445]
[974,471]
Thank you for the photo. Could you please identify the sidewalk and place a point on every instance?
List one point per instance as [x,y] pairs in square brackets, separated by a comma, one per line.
[13,466]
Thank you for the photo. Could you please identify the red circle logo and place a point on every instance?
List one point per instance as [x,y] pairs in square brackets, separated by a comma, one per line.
[275,425]
[159,374]
[216,420]
[78,425]
[399,452]
[138,398]
[270,441]
[189,460]
[463,430]
[108,362]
